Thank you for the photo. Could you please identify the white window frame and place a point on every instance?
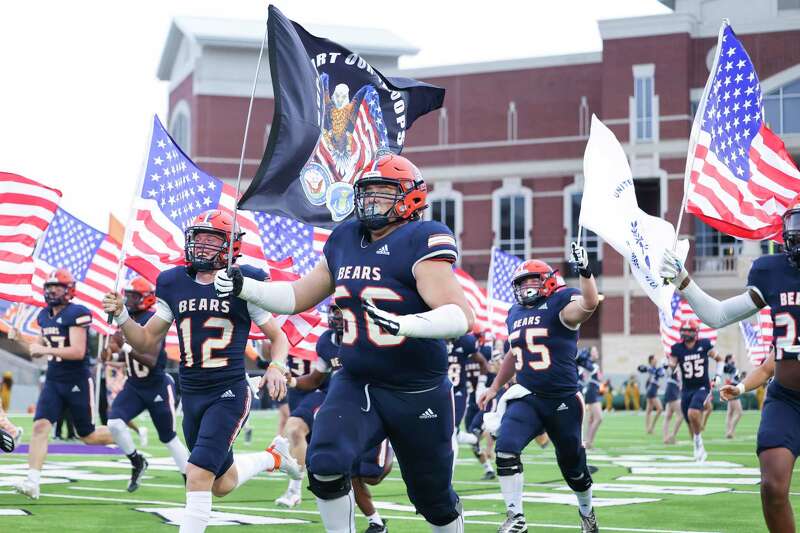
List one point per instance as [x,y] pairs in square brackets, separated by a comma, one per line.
[182,110]
[569,190]
[777,95]
[642,73]
[513,187]
[444,191]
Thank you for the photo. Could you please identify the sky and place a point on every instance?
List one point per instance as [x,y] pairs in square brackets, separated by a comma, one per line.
[79,82]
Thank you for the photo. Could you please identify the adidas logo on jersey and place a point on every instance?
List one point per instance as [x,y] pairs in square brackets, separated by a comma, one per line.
[427,414]
[562,407]
[383,250]
[76,389]
[228,394]
[158,398]
[58,320]
[543,306]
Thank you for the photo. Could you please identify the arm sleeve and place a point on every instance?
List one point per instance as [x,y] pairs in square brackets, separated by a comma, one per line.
[433,240]
[715,313]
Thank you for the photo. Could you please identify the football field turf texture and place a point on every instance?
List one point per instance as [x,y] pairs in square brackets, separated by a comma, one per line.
[642,486]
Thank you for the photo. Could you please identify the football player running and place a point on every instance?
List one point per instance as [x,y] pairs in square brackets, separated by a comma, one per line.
[391,275]
[773,280]
[215,393]
[68,384]
[543,334]
[672,403]
[655,374]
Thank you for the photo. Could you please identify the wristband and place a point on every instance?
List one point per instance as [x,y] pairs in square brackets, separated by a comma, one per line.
[122,317]
[280,367]
[740,388]
[585,272]
[115,357]
[292,382]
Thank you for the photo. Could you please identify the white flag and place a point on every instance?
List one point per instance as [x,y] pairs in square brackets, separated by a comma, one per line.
[609,209]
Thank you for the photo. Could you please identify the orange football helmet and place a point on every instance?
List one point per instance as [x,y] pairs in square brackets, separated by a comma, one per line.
[214,222]
[408,200]
[59,278]
[139,295]
[537,270]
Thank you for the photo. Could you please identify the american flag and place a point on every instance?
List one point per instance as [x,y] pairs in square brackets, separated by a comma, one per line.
[286,237]
[26,209]
[90,255]
[670,326]
[369,135]
[173,192]
[758,337]
[477,300]
[501,295]
[742,178]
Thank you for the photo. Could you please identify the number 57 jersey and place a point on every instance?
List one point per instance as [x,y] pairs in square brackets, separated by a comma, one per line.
[383,271]
[212,331]
[545,349]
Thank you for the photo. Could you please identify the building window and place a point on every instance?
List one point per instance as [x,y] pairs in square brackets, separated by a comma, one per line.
[511,121]
[180,127]
[446,207]
[714,251]
[643,93]
[782,108]
[512,216]
[443,126]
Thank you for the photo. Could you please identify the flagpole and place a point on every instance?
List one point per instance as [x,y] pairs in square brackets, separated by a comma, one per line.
[695,133]
[97,376]
[244,142]
[127,234]
[489,290]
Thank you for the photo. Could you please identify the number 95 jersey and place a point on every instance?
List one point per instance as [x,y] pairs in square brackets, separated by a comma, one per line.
[212,331]
[383,271]
[544,348]
[778,283]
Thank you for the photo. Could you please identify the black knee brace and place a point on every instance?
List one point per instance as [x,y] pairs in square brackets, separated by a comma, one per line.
[509,465]
[581,482]
[329,490]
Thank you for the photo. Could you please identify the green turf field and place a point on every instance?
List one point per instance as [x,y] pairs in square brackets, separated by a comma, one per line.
[646,504]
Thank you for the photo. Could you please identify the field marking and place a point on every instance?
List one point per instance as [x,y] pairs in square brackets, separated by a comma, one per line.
[563,499]
[14,512]
[713,471]
[700,480]
[653,489]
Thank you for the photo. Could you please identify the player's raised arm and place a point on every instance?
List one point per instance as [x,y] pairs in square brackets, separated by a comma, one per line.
[713,312]
[281,297]
[581,307]
[145,338]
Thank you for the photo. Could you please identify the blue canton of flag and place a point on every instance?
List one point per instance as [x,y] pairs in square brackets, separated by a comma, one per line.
[750,334]
[181,189]
[733,113]
[70,243]
[286,237]
[502,269]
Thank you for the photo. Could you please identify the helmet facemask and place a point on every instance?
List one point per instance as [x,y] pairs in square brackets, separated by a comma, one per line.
[531,288]
[206,256]
[688,334]
[369,209]
[56,294]
[791,236]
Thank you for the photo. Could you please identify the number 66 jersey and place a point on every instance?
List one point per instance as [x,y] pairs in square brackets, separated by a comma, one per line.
[545,349]
[212,331]
[383,271]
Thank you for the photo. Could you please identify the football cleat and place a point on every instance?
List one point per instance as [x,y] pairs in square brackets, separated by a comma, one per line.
[284,461]
[515,523]
[488,475]
[7,441]
[588,523]
[289,499]
[377,528]
[137,471]
[28,488]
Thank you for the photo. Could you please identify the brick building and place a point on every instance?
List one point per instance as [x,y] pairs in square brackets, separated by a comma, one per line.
[505,155]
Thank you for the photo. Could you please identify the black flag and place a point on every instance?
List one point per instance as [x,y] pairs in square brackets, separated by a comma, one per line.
[333,114]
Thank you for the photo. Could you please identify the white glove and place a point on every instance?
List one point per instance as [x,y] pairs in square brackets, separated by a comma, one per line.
[672,268]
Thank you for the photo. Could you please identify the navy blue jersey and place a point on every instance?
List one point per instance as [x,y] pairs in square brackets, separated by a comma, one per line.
[328,353]
[673,375]
[298,366]
[544,347]
[731,374]
[584,360]
[384,272]
[212,331]
[778,282]
[654,376]
[140,373]
[459,352]
[693,363]
[55,332]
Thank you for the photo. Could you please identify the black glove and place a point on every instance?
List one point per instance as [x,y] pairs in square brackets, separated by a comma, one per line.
[642,368]
[384,320]
[7,443]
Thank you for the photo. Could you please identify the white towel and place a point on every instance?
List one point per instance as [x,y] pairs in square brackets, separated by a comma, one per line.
[491,420]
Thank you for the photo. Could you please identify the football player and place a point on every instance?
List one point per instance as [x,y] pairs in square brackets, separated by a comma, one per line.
[391,275]
[461,352]
[215,393]
[543,334]
[148,387]
[590,360]
[68,384]
[655,374]
[672,403]
[734,414]
[690,356]
[774,280]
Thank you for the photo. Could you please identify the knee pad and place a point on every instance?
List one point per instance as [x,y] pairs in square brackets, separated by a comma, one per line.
[441,517]
[508,464]
[329,487]
[580,483]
